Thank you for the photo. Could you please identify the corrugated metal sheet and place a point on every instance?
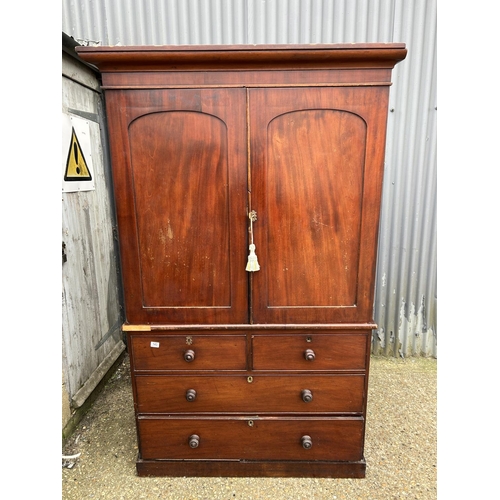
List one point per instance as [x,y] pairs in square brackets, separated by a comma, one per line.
[157,22]
[406,298]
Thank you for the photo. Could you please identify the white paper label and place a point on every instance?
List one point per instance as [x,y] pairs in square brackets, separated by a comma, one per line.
[155,344]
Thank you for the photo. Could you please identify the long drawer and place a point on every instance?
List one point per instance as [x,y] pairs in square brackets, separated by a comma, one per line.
[255,394]
[246,438]
[309,351]
[188,352]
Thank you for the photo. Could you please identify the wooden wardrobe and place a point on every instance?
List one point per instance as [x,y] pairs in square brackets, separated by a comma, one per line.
[215,148]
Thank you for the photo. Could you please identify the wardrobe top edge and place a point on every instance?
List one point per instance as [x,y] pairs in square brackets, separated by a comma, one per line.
[134,58]
[241,47]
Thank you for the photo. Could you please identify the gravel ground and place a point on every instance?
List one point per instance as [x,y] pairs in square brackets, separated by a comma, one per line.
[400,448]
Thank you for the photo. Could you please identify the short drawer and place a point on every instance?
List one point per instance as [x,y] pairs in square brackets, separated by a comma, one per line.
[256,394]
[310,352]
[338,439]
[188,352]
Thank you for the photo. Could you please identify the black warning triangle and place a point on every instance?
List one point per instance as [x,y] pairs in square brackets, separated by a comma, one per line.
[76,166]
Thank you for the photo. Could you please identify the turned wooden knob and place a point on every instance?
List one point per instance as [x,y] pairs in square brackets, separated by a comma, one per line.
[307,396]
[306,442]
[189,355]
[309,354]
[194,441]
[190,395]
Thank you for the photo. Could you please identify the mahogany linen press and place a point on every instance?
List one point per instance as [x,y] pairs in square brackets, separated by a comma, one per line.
[247,182]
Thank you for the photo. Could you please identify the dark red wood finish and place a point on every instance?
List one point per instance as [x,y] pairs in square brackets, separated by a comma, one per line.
[236,373]
[264,394]
[329,352]
[179,168]
[252,468]
[316,163]
[164,353]
[252,438]
[298,57]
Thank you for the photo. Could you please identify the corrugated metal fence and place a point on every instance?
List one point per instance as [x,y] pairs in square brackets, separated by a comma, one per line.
[406,299]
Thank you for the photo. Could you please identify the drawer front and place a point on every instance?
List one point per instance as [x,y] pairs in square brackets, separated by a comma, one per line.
[188,352]
[256,394]
[258,439]
[309,352]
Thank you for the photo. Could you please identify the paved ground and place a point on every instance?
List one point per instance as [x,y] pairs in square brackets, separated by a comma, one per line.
[400,448]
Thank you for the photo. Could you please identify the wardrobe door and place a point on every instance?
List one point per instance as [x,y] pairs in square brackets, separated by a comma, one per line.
[316,171]
[180,170]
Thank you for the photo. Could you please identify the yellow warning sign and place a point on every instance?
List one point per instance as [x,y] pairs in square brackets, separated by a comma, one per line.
[76,166]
